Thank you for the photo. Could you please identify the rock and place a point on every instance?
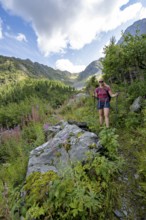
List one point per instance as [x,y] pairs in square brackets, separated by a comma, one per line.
[118,214]
[136,176]
[66,142]
[136,105]
[125,213]
[82,125]
[52,130]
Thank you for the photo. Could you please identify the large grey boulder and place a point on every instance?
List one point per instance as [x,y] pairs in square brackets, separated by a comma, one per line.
[136,105]
[66,143]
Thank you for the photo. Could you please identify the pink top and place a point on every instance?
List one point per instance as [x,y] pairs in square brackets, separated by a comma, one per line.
[102,93]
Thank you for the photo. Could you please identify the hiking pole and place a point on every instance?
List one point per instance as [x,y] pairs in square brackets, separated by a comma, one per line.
[116,109]
[93,105]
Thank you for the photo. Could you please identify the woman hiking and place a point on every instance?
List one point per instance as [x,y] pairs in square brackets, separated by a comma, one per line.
[103,93]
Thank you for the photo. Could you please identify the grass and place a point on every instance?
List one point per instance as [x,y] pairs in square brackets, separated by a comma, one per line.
[131,144]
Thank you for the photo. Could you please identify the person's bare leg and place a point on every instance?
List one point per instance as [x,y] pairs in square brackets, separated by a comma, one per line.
[106,115]
[101,115]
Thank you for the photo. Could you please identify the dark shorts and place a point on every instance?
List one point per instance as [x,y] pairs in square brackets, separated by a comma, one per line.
[102,105]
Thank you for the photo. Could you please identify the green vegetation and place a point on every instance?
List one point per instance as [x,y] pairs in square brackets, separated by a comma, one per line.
[14,70]
[126,62]
[20,100]
[79,193]
[91,190]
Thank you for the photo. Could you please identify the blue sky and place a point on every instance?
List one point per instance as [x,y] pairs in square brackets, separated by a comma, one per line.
[64,34]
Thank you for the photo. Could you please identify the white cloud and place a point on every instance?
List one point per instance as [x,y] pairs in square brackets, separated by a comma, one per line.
[21,37]
[65,64]
[62,24]
[143,13]
[1,33]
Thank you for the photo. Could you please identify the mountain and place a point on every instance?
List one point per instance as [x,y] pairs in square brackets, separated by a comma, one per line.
[95,67]
[14,69]
[92,69]
[139,25]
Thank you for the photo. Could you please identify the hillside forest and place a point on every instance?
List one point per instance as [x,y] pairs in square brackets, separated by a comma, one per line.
[112,184]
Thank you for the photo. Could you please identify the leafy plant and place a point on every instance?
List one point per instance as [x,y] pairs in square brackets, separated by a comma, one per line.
[109,140]
[79,192]
[133,120]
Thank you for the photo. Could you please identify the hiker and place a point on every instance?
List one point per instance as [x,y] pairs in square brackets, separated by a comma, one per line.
[103,93]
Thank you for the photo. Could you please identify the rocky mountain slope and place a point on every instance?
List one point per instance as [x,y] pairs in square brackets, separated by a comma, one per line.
[92,69]
[13,69]
[139,25]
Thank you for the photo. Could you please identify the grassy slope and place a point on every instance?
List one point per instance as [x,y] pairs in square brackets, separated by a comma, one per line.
[129,202]
[132,142]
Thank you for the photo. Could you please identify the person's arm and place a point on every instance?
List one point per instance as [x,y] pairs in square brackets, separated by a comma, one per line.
[113,94]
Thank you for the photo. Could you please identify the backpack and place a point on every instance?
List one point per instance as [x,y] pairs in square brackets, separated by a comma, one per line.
[108,95]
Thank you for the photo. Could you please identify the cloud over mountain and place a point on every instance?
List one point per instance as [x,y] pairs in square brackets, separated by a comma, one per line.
[62,24]
[65,64]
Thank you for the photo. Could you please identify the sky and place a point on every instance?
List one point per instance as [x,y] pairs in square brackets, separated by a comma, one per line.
[64,34]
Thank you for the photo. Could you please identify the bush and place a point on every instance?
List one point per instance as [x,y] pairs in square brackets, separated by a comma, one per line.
[133,120]
[33,134]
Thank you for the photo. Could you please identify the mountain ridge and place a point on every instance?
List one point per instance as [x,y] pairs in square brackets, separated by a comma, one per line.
[139,26]
[95,67]
[13,69]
